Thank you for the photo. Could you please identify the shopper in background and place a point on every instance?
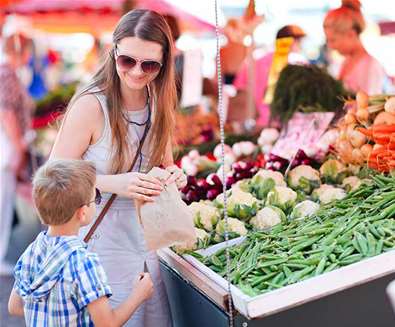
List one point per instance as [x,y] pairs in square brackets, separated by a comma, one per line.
[15,111]
[359,71]
[263,70]
[178,54]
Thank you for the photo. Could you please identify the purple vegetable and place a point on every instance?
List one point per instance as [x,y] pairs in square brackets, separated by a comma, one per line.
[213,193]
[239,166]
[192,196]
[213,179]
[230,181]
[277,165]
[202,183]
[191,180]
[185,189]
[242,175]
[300,155]
[306,162]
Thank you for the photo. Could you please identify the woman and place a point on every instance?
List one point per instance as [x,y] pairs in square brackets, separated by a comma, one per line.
[359,71]
[104,123]
[15,111]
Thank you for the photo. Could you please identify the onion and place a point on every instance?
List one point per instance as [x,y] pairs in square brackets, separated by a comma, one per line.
[349,118]
[366,150]
[357,156]
[357,139]
[345,149]
[389,105]
[362,100]
[343,136]
[362,115]
[385,118]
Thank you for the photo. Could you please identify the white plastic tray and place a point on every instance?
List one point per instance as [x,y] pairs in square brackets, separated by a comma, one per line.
[305,291]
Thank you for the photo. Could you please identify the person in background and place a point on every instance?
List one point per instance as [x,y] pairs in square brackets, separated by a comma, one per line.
[234,52]
[178,54]
[263,68]
[359,71]
[16,108]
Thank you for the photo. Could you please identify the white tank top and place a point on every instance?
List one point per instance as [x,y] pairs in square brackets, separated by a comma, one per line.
[101,152]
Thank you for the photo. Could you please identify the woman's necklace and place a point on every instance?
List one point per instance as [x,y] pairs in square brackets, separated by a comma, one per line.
[135,122]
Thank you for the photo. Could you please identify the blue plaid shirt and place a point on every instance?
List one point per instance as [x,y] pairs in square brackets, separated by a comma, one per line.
[57,278]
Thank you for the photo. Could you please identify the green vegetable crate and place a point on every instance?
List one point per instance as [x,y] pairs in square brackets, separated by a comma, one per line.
[302,292]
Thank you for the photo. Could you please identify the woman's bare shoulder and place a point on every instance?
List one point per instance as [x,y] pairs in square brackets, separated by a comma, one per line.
[86,106]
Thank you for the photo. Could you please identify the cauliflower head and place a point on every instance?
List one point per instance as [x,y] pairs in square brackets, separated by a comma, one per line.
[304,209]
[351,183]
[267,217]
[304,178]
[235,228]
[202,241]
[240,204]
[204,215]
[282,197]
[265,174]
[328,193]
[333,171]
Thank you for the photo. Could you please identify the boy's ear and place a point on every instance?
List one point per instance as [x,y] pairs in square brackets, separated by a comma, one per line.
[81,213]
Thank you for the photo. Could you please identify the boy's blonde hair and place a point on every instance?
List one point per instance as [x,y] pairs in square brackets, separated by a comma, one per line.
[60,187]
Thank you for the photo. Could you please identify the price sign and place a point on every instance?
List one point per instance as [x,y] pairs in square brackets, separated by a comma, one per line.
[302,132]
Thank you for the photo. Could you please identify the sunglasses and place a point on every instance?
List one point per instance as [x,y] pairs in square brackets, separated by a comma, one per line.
[97,199]
[126,63]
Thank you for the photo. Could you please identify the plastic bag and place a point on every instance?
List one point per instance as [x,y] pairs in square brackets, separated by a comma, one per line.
[166,221]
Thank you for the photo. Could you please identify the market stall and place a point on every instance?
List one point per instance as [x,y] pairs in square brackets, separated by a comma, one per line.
[311,243]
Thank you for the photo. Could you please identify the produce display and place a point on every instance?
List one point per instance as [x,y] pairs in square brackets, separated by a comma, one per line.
[299,88]
[302,219]
[266,198]
[338,234]
[366,132]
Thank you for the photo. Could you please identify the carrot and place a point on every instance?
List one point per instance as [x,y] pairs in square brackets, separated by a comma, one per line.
[381,138]
[383,128]
[377,151]
[365,131]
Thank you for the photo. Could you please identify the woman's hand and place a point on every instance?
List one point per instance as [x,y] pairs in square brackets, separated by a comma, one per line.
[137,186]
[177,176]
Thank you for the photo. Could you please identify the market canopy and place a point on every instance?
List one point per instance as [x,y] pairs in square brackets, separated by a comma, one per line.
[83,15]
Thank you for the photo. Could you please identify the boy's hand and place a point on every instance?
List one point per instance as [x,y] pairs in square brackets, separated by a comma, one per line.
[143,287]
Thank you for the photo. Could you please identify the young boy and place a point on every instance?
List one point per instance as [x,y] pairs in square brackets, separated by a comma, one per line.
[57,281]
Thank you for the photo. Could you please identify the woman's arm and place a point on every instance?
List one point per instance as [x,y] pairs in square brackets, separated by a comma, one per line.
[168,159]
[15,304]
[177,175]
[83,125]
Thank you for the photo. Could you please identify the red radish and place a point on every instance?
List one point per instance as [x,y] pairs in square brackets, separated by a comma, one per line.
[191,180]
[192,196]
[212,194]
[230,181]
[213,179]
[202,183]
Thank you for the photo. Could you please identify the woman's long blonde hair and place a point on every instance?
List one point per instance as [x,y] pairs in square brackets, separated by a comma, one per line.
[346,17]
[149,26]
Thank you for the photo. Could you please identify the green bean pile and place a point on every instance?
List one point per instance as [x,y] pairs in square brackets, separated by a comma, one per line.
[343,232]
